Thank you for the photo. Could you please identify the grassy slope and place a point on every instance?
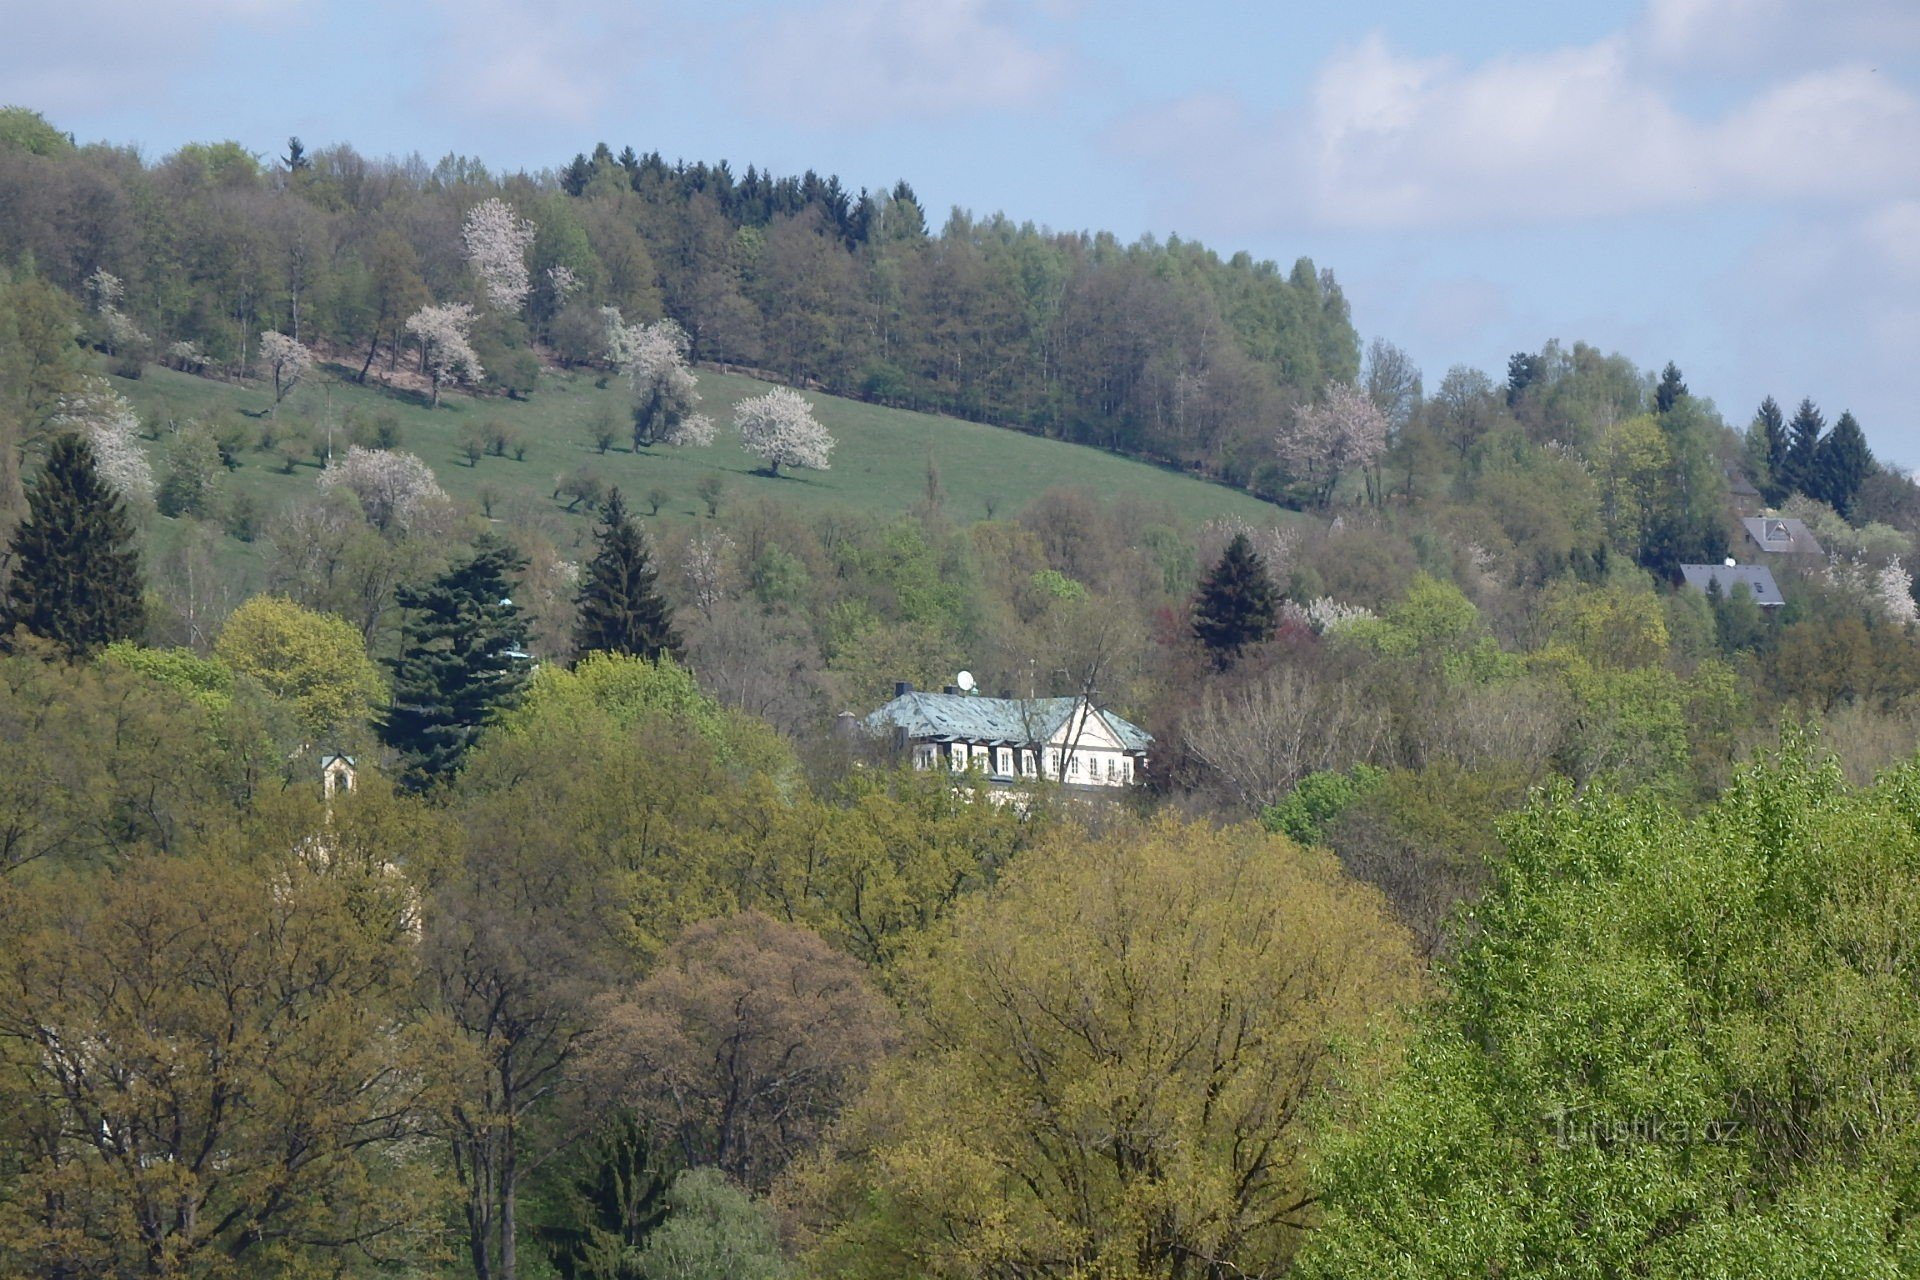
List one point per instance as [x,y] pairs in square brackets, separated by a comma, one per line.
[879,466]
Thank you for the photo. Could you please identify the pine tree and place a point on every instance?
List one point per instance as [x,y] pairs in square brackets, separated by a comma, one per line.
[1803,447]
[462,659]
[1841,464]
[1768,435]
[76,577]
[621,610]
[1237,603]
[1671,390]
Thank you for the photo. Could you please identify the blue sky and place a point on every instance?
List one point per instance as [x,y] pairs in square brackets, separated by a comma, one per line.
[1731,184]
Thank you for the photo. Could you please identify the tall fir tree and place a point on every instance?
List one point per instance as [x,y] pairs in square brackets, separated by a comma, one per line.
[1237,603]
[621,609]
[1803,449]
[1671,391]
[1767,446]
[1841,465]
[462,660]
[76,575]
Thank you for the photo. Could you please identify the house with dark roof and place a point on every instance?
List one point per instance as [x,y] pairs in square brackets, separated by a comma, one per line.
[1780,536]
[1014,740]
[1756,578]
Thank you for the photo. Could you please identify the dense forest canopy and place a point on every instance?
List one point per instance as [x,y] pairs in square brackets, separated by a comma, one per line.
[437,839]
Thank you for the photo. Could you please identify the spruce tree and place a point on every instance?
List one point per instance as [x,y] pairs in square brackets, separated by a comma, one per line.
[1841,464]
[621,610]
[1672,390]
[1803,448]
[1237,603]
[462,659]
[1769,445]
[76,575]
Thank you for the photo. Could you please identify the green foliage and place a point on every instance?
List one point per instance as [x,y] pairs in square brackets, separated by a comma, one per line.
[1317,801]
[208,681]
[626,689]
[612,1197]
[621,609]
[23,129]
[462,661]
[76,575]
[713,1231]
[315,662]
[1697,1031]
[1237,604]
[1099,1044]
[191,483]
[1841,465]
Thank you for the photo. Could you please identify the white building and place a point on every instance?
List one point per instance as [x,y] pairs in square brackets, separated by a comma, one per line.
[1015,740]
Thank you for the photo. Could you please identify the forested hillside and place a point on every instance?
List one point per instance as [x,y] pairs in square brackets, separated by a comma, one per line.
[436,839]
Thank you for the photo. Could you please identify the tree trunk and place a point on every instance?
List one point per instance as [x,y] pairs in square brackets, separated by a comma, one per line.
[372,349]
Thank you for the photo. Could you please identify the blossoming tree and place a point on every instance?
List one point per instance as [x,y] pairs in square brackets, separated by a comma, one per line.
[446,354]
[780,427]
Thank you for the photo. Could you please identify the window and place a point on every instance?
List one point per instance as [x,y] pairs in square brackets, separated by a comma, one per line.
[1113,769]
[1003,765]
[957,757]
[1027,764]
[1073,767]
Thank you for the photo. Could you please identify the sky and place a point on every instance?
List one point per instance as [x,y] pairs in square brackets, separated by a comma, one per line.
[1733,185]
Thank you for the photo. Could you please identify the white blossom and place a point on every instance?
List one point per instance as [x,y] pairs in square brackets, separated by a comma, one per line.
[1895,593]
[709,556]
[445,352]
[562,283]
[108,423]
[187,357]
[289,360]
[396,490]
[665,390]
[105,289]
[497,242]
[780,427]
[1345,430]
[1324,615]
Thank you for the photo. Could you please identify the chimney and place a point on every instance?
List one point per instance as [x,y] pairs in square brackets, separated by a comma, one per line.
[901,688]
[951,688]
[844,725]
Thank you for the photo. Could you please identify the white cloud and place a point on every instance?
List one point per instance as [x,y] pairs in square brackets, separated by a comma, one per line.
[1387,140]
[1771,34]
[852,62]
[536,62]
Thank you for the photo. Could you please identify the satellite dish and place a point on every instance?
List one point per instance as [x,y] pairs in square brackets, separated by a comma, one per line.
[966,682]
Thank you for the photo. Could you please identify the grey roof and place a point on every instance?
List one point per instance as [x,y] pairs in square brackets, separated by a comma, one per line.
[1756,577]
[1782,535]
[966,717]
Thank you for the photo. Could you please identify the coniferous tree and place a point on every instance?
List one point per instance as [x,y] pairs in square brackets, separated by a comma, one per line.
[76,576]
[1237,603]
[1671,390]
[621,609]
[462,659]
[1769,446]
[1803,448]
[1842,462]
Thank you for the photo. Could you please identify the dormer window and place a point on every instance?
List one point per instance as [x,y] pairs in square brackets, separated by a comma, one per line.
[1777,531]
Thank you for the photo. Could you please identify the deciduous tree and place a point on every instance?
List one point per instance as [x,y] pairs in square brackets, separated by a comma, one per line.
[315,662]
[780,427]
[744,1043]
[445,351]
[496,241]
[288,360]
[1112,1054]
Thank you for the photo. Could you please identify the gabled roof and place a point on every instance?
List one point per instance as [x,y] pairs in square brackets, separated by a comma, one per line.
[1757,578]
[1782,535]
[965,717]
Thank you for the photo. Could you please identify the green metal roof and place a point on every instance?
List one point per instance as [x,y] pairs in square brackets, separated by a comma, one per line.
[964,717]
